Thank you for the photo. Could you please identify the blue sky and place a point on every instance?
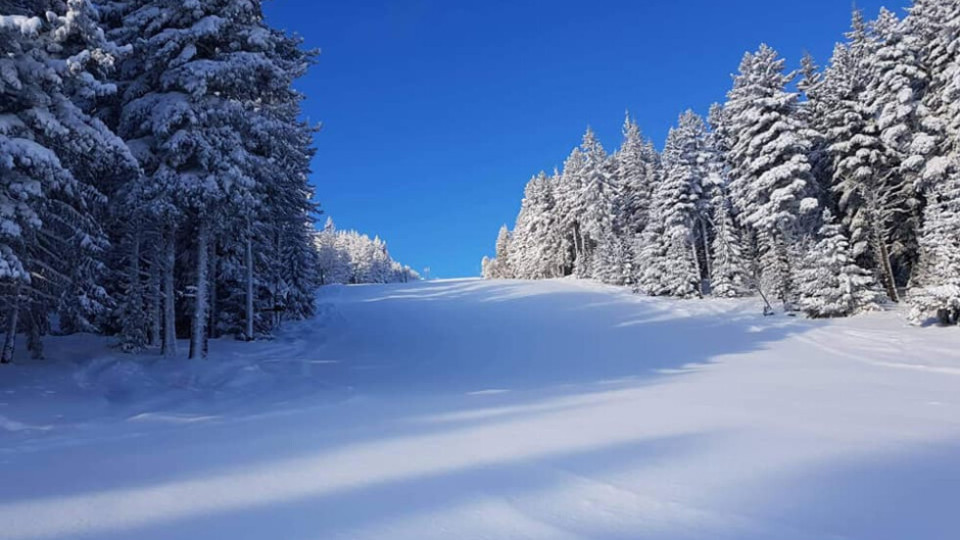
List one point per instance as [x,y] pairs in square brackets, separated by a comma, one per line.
[437,112]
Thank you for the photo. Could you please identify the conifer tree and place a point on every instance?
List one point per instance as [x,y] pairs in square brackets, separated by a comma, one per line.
[830,283]
[770,175]
[53,155]
[680,199]
[894,95]
[504,269]
[936,286]
[208,103]
[638,164]
[730,274]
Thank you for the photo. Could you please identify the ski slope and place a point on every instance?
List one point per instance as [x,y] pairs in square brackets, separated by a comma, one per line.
[496,410]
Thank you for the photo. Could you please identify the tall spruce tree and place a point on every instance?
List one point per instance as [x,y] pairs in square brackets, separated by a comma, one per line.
[209,109]
[770,176]
[53,158]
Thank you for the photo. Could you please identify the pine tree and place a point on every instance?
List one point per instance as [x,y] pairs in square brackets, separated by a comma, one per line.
[614,260]
[209,104]
[936,286]
[504,269]
[731,273]
[597,199]
[53,154]
[934,28]
[830,283]
[650,253]
[535,247]
[680,198]
[894,93]
[770,176]
[637,173]
[862,174]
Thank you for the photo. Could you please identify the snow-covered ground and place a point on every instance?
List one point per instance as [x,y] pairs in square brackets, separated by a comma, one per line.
[496,410]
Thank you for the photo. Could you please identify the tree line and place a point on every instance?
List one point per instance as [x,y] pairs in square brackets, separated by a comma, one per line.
[349,257]
[826,190]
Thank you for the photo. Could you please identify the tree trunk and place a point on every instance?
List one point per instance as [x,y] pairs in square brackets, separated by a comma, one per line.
[133,325]
[214,301]
[889,281]
[6,354]
[275,292]
[156,295]
[199,326]
[696,264]
[786,272]
[708,260]
[34,335]
[248,263]
[169,300]
[579,250]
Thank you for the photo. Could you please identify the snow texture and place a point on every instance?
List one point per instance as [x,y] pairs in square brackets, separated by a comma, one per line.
[496,409]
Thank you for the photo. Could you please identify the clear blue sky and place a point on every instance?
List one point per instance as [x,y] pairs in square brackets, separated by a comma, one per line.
[437,112]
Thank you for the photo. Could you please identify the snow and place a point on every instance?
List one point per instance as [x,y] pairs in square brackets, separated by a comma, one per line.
[26,25]
[470,409]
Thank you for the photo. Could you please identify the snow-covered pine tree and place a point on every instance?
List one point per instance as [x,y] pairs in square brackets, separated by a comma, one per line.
[861,173]
[650,252]
[331,265]
[637,173]
[209,109]
[770,176]
[813,111]
[936,283]
[598,199]
[730,270]
[933,27]
[830,283]
[731,274]
[504,268]
[614,261]
[487,268]
[535,248]
[570,211]
[894,95]
[52,156]
[679,198]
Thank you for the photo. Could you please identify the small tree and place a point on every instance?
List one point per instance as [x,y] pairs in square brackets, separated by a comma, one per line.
[829,283]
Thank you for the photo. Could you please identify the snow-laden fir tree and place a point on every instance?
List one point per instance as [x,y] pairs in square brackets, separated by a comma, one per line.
[830,283]
[731,275]
[813,113]
[53,154]
[535,247]
[570,209]
[680,201]
[650,253]
[638,169]
[933,27]
[209,110]
[897,84]
[770,176]
[936,287]
[597,202]
[503,264]
[862,175]
[614,260]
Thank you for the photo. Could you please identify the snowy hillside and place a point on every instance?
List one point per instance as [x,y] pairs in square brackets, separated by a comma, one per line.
[471,409]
